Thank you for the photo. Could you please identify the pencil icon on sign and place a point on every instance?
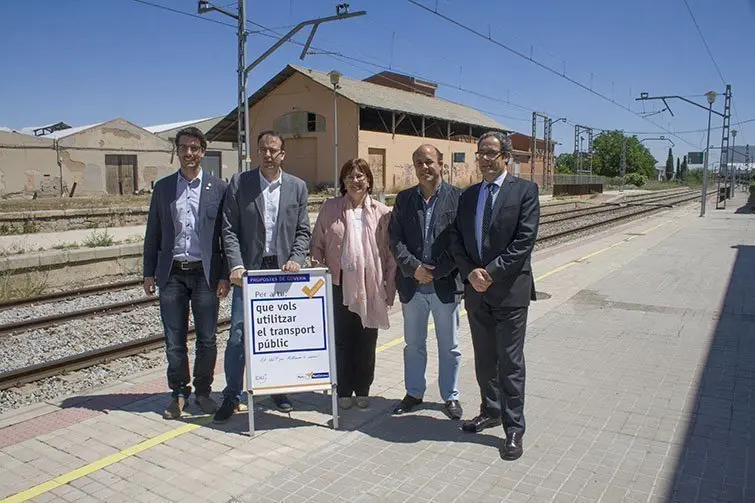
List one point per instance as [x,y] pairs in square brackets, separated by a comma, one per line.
[310,292]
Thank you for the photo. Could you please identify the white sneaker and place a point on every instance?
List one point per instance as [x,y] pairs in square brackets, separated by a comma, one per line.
[363,402]
[345,402]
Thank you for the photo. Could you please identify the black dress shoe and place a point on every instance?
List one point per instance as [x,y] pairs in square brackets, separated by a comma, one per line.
[281,403]
[453,409]
[406,405]
[511,448]
[479,423]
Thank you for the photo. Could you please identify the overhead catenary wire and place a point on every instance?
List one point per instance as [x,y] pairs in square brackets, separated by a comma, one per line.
[351,60]
[272,33]
[542,65]
[710,54]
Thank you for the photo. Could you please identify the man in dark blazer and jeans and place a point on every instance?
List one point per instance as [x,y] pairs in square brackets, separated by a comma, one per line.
[183,258]
[427,279]
[495,232]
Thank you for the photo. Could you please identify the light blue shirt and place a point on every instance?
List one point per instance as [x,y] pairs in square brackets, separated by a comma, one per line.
[427,243]
[481,199]
[186,219]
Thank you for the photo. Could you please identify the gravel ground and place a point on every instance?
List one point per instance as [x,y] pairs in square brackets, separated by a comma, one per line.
[83,381]
[14,314]
[78,336]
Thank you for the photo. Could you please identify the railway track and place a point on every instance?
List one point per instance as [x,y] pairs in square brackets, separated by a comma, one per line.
[70,294]
[36,372]
[609,221]
[664,201]
[56,319]
[32,373]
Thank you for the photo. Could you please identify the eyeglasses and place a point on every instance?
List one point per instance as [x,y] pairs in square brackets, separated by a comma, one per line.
[273,151]
[355,178]
[190,148]
[490,155]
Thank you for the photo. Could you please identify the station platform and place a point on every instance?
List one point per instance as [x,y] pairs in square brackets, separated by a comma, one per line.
[640,388]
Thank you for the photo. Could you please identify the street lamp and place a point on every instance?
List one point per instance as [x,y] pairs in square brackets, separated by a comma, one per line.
[335,77]
[711,97]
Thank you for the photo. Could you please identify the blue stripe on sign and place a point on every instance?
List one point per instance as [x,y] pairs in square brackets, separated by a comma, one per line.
[278,278]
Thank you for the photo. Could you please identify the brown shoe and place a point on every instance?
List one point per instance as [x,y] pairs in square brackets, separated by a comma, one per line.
[207,404]
[174,409]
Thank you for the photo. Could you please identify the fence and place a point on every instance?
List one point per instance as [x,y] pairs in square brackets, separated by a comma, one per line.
[577,185]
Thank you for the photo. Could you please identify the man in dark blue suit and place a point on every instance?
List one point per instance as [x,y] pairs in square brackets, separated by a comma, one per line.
[492,243]
[183,257]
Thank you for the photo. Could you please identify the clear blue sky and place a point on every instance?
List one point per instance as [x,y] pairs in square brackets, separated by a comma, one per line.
[86,61]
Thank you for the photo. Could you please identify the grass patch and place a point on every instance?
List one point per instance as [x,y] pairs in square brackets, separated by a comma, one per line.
[98,239]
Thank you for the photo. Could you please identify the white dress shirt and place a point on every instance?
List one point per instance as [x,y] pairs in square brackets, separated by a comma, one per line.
[271,193]
[481,207]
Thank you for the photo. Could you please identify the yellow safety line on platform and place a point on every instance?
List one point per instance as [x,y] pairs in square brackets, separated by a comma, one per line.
[186,428]
[104,462]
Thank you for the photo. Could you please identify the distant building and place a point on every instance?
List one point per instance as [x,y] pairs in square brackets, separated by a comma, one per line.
[113,157]
[220,159]
[382,119]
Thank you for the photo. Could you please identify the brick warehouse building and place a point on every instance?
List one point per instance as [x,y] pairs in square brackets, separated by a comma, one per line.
[382,119]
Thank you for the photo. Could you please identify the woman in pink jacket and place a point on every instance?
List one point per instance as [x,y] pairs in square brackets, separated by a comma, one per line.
[351,239]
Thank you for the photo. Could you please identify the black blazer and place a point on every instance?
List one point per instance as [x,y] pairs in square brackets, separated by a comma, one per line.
[405,233]
[506,249]
[160,235]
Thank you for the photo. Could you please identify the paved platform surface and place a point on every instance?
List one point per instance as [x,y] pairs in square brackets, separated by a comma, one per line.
[639,389]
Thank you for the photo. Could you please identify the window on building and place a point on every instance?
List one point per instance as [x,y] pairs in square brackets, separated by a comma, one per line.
[300,122]
[460,157]
[211,162]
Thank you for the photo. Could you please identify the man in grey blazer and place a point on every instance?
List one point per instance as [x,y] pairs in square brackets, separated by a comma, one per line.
[265,226]
[183,258]
[494,235]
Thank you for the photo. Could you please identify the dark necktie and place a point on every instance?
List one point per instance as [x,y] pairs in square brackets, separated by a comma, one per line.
[487,214]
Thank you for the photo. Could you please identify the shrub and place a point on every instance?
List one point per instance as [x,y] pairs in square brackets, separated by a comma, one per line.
[636,179]
[97,239]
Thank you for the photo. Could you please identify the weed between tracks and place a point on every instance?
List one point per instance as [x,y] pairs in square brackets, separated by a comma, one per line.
[30,284]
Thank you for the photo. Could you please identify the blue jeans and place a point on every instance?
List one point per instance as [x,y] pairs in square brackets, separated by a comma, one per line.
[234,350]
[446,317]
[181,290]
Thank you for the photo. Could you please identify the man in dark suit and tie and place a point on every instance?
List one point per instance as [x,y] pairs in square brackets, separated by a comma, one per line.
[495,232]
[183,258]
[265,226]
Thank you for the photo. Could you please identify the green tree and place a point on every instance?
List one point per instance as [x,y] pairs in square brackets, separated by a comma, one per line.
[678,170]
[607,155]
[684,170]
[670,165]
[565,163]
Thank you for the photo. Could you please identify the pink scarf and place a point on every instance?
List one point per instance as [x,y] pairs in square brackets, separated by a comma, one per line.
[362,282]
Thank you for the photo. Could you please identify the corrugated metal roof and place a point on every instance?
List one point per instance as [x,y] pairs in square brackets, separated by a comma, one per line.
[68,132]
[159,128]
[388,98]
[367,94]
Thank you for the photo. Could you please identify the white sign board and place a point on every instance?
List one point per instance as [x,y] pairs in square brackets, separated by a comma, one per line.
[288,335]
